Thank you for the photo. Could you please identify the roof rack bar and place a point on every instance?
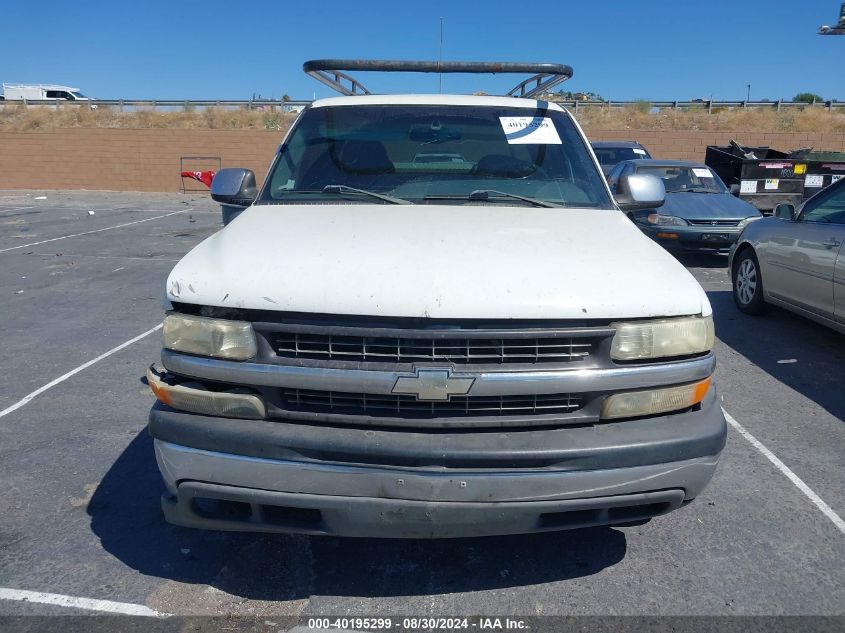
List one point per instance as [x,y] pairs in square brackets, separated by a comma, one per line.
[333,80]
[329,72]
[520,90]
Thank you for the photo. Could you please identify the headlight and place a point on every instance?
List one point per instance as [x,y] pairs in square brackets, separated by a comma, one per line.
[197,399]
[663,338]
[654,401]
[665,220]
[748,221]
[220,338]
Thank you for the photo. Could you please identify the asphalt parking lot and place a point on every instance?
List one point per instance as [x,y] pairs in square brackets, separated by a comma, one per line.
[82,273]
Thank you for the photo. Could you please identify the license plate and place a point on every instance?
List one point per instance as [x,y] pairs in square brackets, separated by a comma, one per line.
[715,237]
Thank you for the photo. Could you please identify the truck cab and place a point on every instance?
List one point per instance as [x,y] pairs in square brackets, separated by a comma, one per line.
[473,343]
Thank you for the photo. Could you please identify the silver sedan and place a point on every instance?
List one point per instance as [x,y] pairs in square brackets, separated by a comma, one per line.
[795,260]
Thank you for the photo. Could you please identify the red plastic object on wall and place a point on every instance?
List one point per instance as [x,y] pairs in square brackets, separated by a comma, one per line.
[205,177]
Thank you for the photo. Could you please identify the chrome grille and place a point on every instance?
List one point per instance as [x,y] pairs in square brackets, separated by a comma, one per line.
[318,346]
[401,406]
[714,222]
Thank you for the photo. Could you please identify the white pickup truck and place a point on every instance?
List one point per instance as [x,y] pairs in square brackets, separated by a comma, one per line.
[433,320]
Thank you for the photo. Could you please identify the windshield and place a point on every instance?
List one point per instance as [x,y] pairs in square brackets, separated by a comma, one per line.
[681,178]
[613,155]
[430,153]
[78,95]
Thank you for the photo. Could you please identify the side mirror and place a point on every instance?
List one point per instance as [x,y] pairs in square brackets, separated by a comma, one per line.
[734,190]
[637,192]
[785,211]
[234,186]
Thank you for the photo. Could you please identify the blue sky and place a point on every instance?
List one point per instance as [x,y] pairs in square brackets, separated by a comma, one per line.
[649,49]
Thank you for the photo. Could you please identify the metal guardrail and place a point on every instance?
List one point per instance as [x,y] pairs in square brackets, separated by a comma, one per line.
[708,106]
[154,104]
[272,104]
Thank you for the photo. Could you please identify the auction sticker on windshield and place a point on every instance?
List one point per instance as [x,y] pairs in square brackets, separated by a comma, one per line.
[527,130]
[702,173]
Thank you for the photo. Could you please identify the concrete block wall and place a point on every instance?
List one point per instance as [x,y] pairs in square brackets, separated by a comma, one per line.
[125,160]
[148,160]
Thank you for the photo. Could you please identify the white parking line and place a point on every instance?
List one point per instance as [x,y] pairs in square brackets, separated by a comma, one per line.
[67,255]
[86,209]
[108,228]
[73,372]
[4,209]
[88,604]
[795,479]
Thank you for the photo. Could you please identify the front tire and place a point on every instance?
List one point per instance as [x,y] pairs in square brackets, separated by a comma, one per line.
[748,284]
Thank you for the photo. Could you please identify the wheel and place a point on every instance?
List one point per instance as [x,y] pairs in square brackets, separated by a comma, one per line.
[748,284]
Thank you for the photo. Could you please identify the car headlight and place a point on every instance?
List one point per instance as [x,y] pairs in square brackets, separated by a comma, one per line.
[662,338]
[654,401]
[197,399]
[665,220]
[220,338]
[748,221]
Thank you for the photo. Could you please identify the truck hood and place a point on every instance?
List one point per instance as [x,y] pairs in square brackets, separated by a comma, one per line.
[496,262]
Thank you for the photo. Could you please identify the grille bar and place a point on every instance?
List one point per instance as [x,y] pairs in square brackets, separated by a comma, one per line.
[314,346]
[377,405]
[714,222]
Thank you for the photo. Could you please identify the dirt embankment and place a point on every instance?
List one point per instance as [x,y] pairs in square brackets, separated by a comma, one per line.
[634,117]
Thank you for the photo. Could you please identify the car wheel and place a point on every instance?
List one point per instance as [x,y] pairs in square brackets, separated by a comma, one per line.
[748,284]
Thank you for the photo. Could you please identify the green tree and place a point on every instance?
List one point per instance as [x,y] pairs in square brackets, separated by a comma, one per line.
[807,97]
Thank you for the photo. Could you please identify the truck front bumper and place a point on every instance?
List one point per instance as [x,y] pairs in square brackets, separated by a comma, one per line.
[273,476]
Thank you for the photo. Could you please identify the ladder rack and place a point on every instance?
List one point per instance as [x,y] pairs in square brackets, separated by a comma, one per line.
[332,73]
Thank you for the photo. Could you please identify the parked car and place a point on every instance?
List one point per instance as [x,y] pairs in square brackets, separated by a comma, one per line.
[795,260]
[699,215]
[611,153]
[383,346]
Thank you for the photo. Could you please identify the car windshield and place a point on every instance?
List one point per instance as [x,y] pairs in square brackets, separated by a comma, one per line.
[613,155]
[426,154]
[78,95]
[680,178]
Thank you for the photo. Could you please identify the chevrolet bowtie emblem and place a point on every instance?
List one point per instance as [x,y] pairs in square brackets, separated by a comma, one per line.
[432,384]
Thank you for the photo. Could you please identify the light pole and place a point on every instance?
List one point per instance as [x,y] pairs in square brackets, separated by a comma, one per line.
[839,29]
[748,96]
[440,58]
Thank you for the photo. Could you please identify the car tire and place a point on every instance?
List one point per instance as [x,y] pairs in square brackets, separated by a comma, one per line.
[748,284]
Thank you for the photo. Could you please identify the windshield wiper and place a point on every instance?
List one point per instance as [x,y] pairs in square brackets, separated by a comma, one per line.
[493,194]
[694,190]
[341,189]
